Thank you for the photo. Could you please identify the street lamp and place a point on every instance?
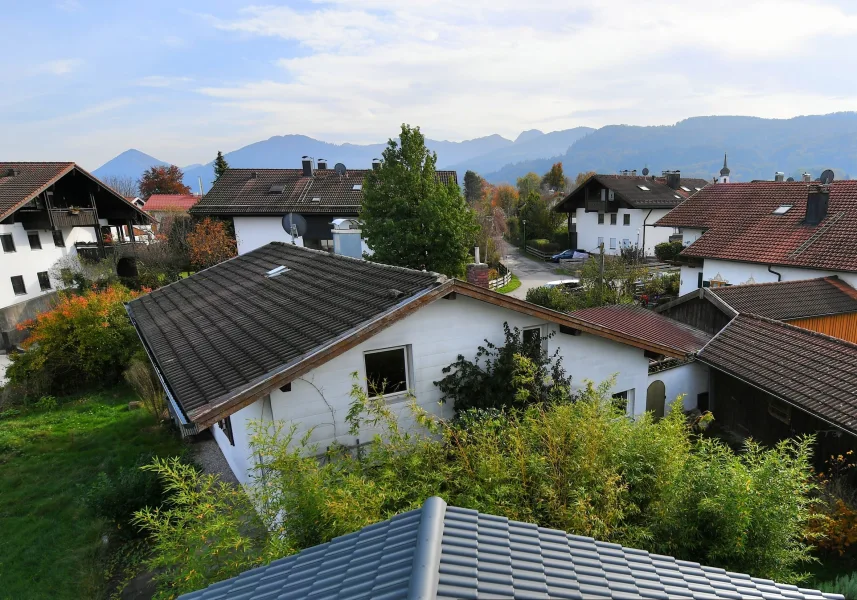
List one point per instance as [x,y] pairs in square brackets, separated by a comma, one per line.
[524,223]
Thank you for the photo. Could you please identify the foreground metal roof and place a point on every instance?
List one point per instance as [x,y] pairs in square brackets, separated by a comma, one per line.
[444,552]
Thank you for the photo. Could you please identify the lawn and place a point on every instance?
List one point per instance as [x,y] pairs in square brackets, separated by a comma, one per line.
[514,284]
[50,546]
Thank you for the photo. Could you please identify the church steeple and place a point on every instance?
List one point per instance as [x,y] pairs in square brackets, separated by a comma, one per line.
[724,172]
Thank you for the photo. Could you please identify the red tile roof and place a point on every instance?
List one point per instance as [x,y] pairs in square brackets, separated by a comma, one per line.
[741,225]
[787,300]
[645,325]
[165,202]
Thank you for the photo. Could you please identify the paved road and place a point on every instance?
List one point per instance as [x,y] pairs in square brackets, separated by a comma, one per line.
[532,273]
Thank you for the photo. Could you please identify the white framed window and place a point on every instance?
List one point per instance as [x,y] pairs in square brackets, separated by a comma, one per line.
[600,241]
[612,243]
[613,218]
[387,371]
[624,401]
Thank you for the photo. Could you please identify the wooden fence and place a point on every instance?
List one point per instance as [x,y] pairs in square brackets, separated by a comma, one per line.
[504,278]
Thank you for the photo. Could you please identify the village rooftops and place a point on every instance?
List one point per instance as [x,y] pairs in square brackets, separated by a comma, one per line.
[809,370]
[229,334]
[446,553]
[766,222]
[261,192]
[168,202]
[636,191]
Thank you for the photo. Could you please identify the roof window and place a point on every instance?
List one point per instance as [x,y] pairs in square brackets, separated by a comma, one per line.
[677,196]
[644,188]
[782,209]
[357,186]
[686,189]
[276,189]
[277,271]
[698,189]
[316,199]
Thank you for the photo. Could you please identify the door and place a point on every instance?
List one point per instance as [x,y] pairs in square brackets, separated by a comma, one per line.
[656,397]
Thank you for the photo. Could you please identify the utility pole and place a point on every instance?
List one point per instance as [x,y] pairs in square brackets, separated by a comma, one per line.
[601,276]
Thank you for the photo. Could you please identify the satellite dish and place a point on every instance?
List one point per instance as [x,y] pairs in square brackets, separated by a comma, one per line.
[826,176]
[339,168]
[790,179]
[645,171]
[294,224]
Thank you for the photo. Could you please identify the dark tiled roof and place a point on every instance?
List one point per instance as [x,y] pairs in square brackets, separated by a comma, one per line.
[237,192]
[225,328]
[448,553]
[31,179]
[785,300]
[627,188]
[646,325]
[741,225]
[813,371]
[170,202]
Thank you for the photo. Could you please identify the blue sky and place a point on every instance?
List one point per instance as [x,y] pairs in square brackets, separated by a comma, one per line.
[85,79]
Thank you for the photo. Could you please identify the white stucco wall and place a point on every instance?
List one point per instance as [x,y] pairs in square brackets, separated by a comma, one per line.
[690,379]
[436,335]
[588,230]
[254,232]
[736,273]
[27,262]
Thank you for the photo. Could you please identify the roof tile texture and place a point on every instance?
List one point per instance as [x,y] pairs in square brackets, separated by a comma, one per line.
[788,300]
[165,202]
[658,194]
[31,179]
[741,225]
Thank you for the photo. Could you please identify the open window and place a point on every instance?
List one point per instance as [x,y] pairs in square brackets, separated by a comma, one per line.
[533,341]
[387,371]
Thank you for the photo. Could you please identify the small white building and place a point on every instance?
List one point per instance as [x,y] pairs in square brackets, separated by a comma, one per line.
[276,334]
[619,211]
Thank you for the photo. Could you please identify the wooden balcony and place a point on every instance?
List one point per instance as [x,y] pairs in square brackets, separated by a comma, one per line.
[81,217]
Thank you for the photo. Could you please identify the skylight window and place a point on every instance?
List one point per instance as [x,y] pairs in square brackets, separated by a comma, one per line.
[783,209]
[316,199]
[677,196]
[644,188]
[686,189]
[276,189]
[698,189]
[357,186]
[277,271]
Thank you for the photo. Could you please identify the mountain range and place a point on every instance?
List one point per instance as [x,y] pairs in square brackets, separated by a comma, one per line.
[756,148]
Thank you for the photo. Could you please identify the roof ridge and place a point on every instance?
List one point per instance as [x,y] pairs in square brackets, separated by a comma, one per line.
[842,286]
[425,570]
[766,283]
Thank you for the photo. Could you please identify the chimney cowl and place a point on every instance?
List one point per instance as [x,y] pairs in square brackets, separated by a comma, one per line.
[306,164]
[807,177]
[817,201]
[779,176]
[376,163]
[322,164]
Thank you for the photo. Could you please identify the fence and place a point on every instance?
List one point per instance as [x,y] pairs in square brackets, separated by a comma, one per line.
[539,254]
[504,278]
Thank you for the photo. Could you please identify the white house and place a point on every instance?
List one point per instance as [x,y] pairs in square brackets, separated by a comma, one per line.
[276,334]
[766,231]
[257,200]
[621,210]
[48,211]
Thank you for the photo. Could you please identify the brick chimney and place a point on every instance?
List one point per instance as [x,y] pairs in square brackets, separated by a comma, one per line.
[817,199]
[477,274]
[673,179]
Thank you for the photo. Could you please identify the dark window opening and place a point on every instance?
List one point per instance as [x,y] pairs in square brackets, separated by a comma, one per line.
[626,219]
[601,218]
[226,426]
[44,280]
[613,219]
[59,242]
[699,279]
[532,340]
[287,387]
[386,371]
[18,285]
[569,330]
[620,401]
[35,242]
[8,242]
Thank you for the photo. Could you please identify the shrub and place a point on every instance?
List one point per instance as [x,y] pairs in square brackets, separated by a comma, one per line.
[834,530]
[553,298]
[47,403]
[844,584]
[210,243]
[543,245]
[86,340]
[666,251]
[142,378]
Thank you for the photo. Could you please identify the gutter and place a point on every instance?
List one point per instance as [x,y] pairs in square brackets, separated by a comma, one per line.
[779,275]
[646,218]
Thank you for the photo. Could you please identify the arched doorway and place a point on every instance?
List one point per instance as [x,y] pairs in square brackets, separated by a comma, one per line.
[656,396]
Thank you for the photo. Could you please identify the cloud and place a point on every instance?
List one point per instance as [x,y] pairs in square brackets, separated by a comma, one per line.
[87,112]
[62,66]
[161,81]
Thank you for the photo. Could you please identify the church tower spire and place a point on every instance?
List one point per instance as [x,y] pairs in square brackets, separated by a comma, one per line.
[724,172]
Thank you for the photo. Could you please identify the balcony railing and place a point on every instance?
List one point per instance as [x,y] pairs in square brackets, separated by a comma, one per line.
[73,217]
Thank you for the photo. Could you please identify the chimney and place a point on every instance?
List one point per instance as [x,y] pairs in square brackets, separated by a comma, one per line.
[779,176]
[634,172]
[807,177]
[673,179]
[376,163]
[11,172]
[477,274]
[306,163]
[817,199]
[322,164]
[252,174]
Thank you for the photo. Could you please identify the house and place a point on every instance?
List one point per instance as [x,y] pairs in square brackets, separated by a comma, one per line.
[162,205]
[446,553]
[50,210]
[257,200]
[621,210]
[766,231]
[276,333]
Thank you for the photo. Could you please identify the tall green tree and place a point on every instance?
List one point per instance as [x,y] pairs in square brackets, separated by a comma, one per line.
[473,187]
[220,165]
[555,178]
[542,222]
[531,182]
[410,218]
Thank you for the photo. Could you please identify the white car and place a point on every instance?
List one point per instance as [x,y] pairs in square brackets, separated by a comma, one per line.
[565,284]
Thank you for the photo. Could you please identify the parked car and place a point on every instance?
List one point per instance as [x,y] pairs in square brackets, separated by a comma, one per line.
[564,284]
[569,254]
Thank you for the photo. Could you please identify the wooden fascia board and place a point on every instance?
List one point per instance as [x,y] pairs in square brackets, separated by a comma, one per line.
[68,169]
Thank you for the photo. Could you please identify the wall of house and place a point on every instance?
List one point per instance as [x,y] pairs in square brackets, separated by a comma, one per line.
[735,273]
[690,379]
[28,262]
[688,236]
[589,231]
[842,326]
[255,232]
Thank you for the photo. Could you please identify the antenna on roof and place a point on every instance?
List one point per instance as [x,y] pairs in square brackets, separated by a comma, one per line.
[295,225]
[339,168]
[826,177]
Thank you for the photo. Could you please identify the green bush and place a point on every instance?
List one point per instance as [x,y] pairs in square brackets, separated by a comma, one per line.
[668,250]
[47,403]
[553,298]
[543,245]
[844,584]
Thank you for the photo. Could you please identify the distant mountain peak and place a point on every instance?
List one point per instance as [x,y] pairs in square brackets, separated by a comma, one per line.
[530,134]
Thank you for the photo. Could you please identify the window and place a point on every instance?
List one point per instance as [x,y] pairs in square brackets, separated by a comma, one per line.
[626,219]
[699,279]
[59,242]
[533,342]
[601,218]
[677,197]
[18,285]
[685,188]
[644,188]
[287,387]
[44,280]
[780,411]
[226,427]
[8,242]
[781,210]
[626,243]
[600,242]
[620,401]
[612,243]
[613,219]
[35,242]
[357,187]
[603,195]
[611,196]
[387,371]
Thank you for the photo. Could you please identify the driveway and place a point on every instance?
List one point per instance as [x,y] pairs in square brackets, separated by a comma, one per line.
[531,272]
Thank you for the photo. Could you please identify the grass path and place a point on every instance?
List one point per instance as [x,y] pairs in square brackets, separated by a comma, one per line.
[50,546]
[514,284]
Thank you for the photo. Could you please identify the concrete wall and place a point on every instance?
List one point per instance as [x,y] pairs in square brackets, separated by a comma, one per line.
[27,262]
[736,273]
[589,231]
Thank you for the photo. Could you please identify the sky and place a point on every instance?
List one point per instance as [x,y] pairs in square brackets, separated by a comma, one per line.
[84,80]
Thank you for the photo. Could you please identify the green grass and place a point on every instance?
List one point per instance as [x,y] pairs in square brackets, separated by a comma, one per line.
[514,284]
[50,546]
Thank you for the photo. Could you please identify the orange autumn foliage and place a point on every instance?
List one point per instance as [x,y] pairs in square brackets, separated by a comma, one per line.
[210,243]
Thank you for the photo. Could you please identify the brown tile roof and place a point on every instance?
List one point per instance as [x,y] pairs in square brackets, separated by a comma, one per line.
[741,225]
[645,325]
[627,188]
[237,192]
[786,300]
[30,180]
[164,202]
[812,371]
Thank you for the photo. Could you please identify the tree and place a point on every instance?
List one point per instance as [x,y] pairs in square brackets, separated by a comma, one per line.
[473,187]
[411,219]
[220,165]
[505,197]
[542,222]
[530,182]
[581,177]
[555,178]
[162,180]
[123,185]
[210,243]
